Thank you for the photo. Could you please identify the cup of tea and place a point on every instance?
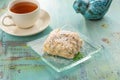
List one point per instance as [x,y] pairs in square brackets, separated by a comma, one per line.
[23,13]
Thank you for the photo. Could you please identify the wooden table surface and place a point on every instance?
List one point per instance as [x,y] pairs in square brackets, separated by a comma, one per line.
[20,62]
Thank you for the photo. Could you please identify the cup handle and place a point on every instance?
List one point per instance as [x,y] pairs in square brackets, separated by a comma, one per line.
[3,21]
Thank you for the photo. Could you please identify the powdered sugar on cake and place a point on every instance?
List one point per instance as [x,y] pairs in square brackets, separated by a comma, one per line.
[63,43]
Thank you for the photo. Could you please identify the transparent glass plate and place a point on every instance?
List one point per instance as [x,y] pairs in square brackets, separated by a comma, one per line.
[61,64]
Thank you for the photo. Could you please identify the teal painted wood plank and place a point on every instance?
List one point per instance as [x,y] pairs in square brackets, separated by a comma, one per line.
[1,49]
[21,61]
[0,35]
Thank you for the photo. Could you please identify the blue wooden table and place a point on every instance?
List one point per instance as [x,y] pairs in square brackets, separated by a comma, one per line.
[20,62]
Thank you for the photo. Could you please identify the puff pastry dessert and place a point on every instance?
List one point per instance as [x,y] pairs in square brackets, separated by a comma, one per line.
[63,43]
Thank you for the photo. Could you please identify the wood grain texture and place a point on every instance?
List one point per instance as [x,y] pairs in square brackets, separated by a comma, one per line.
[19,62]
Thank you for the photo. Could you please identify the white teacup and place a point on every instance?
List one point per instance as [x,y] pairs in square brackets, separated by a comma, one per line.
[23,13]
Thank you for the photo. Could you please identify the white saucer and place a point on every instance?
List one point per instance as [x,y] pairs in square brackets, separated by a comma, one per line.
[41,24]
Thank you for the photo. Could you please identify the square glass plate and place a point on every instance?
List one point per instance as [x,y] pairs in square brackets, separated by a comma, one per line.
[61,64]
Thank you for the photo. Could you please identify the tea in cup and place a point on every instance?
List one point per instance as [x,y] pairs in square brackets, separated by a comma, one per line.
[23,13]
